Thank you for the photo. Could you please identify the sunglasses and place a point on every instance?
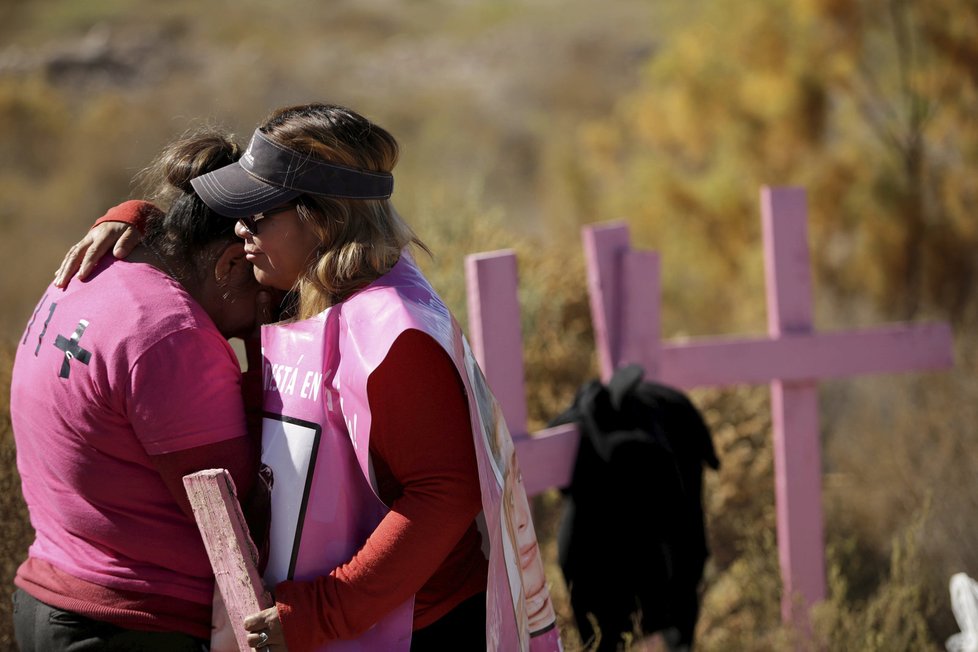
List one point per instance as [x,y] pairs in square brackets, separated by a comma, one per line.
[250,223]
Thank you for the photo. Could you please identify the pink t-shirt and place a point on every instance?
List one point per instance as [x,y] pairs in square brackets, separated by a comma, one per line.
[108,372]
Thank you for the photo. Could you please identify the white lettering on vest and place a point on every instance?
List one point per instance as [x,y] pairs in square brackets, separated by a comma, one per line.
[310,385]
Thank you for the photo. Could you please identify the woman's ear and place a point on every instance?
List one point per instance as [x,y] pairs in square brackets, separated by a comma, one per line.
[231,263]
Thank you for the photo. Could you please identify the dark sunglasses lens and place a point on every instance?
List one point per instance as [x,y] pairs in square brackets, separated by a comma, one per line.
[250,224]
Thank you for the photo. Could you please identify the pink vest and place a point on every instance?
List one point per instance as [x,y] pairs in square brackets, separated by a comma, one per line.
[316,439]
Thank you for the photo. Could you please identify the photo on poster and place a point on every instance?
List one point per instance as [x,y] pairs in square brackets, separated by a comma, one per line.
[528,583]
[288,448]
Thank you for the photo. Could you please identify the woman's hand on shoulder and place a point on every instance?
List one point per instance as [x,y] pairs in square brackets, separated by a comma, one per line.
[81,259]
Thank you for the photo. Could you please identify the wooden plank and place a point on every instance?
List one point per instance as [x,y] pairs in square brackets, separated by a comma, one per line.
[232,553]
[604,246]
[787,269]
[495,331]
[547,458]
[641,337]
[722,361]
[797,446]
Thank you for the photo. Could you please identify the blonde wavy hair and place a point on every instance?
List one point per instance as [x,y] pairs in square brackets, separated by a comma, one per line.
[361,240]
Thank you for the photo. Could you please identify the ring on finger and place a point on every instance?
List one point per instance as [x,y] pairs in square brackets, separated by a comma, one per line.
[262,639]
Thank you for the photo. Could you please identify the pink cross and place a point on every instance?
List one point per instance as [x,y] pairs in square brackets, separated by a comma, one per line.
[625,296]
[547,458]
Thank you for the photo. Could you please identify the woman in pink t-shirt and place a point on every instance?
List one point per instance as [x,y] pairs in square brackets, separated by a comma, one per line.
[121,385]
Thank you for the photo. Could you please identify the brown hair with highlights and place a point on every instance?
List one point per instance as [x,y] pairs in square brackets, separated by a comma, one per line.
[361,239]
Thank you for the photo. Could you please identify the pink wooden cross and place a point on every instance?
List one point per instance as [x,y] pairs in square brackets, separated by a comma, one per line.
[547,458]
[625,296]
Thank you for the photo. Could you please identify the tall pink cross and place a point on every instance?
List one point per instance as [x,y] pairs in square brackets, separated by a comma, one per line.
[625,294]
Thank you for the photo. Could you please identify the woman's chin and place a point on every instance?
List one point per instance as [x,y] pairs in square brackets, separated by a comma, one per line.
[272,280]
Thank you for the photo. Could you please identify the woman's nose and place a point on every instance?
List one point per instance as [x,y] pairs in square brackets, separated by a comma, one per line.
[242,231]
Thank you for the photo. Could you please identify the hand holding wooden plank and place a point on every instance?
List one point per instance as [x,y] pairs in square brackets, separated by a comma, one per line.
[232,553]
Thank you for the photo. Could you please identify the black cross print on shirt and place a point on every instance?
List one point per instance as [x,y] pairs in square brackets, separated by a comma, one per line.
[72,349]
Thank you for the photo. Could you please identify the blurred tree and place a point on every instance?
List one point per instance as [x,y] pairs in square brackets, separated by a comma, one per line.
[872,105]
